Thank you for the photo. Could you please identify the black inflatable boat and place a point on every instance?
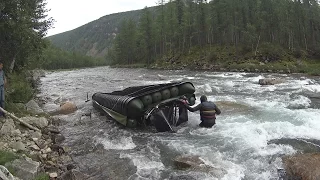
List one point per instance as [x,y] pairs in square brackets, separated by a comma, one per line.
[159,105]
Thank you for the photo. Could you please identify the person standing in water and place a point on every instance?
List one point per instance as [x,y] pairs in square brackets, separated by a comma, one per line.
[3,82]
[208,111]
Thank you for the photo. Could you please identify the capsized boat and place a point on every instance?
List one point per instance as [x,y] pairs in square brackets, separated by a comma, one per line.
[160,105]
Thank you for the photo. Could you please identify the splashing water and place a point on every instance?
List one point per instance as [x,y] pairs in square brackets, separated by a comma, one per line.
[252,116]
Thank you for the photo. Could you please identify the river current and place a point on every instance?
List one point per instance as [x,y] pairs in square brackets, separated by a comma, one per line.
[247,143]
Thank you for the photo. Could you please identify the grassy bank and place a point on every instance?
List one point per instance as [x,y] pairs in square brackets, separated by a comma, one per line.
[267,59]
[19,90]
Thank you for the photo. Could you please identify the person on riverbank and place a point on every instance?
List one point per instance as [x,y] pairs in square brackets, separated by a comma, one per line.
[208,111]
[3,82]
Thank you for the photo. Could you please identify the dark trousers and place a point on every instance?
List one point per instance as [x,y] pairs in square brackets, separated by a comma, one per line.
[207,123]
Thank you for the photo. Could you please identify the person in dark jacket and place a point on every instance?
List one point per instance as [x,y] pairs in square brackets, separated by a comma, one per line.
[208,111]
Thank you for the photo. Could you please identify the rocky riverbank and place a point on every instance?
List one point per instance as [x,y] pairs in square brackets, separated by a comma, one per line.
[29,154]
[35,152]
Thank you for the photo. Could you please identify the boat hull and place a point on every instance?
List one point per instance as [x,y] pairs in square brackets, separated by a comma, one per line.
[132,105]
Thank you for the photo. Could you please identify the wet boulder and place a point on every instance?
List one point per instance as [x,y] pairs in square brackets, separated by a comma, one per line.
[7,127]
[66,108]
[183,162]
[33,107]
[19,146]
[270,81]
[303,166]
[40,122]
[195,163]
[25,168]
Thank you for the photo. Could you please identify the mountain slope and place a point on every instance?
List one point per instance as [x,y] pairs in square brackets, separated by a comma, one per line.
[94,38]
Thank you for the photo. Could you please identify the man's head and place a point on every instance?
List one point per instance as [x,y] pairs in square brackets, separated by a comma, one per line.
[203,98]
[1,65]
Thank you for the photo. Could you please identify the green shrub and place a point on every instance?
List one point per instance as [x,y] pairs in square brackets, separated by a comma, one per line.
[42,176]
[7,157]
[271,52]
[19,90]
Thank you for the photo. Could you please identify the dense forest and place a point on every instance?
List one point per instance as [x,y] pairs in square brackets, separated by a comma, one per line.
[268,30]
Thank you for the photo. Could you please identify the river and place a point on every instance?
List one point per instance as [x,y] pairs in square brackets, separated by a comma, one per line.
[246,144]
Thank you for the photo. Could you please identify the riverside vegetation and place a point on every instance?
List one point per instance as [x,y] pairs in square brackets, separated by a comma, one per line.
[248,35]
[23,27]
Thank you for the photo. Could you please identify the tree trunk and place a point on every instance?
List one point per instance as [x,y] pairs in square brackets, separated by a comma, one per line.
[257,45]
[12,64]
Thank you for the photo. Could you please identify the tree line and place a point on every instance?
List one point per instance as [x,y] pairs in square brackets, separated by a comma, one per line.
[248,26]
[56,58]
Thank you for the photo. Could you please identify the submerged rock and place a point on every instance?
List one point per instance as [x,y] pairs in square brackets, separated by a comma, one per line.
[66,108]
[303,166]
[195,163]
[270,81]
[182,162]
[181,177]
[60,100]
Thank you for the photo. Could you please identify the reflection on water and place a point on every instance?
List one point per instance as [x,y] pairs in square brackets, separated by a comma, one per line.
[247,142]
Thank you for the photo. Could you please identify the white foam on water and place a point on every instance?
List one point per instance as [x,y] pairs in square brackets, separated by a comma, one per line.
[252,133]
[255,133]
[301,82]
[121,143]
[255,80]
[204,89]
[235,173]
[299,102]
[148,166]
[229,84]
[211,157]
[272,102]
[312,88]
[225,75]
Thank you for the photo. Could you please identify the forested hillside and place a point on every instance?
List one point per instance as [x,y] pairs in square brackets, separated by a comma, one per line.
[94,38]
[194,32]
[268,30]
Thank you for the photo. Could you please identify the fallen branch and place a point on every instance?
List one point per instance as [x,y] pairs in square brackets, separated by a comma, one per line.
[19,120]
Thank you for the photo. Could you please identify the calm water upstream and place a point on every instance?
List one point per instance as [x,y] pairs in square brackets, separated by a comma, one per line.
[239,144]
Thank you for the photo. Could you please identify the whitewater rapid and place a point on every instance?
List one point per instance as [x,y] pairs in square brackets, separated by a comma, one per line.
[239,145]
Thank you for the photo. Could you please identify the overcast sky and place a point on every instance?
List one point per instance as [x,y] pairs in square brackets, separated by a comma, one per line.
[70,14]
